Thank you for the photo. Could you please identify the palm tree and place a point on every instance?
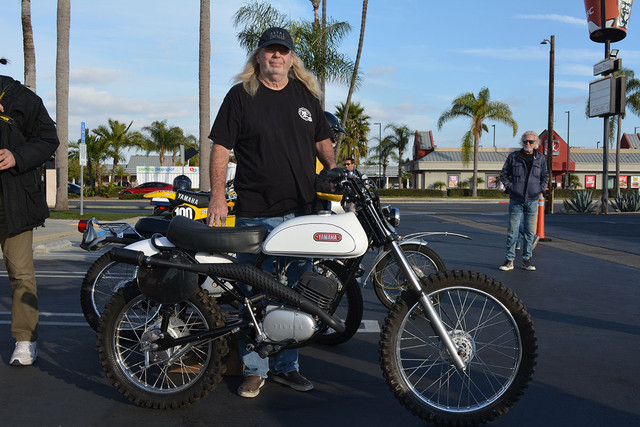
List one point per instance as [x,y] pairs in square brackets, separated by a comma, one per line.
[117,137]
[28,46]
[354,76]
[204,97]
[382,153]
[165,139]
[62,102]
[355,143]
[478,109]
[633,103]
[399,139]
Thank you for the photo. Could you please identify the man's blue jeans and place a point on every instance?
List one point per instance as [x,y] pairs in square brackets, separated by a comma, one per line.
[286,361]
[524,212]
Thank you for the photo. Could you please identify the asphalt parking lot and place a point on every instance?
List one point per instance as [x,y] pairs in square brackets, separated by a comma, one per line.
[583,298]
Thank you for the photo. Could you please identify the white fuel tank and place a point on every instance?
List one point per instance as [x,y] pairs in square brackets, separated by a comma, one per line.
[319,236]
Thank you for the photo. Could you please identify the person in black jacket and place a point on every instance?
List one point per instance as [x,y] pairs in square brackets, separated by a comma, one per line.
[27,140]
[524,176]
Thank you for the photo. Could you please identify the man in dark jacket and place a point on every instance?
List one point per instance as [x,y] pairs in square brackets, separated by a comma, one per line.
[27,139]
[524,176]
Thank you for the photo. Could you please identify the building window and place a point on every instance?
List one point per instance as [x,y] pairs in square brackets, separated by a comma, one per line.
[492,181]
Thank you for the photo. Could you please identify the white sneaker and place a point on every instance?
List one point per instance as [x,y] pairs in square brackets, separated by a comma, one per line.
[25,353]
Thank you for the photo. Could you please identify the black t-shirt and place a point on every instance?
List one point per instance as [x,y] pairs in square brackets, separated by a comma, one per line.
[273,136]
[527,157]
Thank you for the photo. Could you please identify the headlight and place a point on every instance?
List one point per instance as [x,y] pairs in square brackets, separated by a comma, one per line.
[392,215]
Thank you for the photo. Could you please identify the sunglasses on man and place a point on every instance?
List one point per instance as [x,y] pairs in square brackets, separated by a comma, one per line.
[528,141]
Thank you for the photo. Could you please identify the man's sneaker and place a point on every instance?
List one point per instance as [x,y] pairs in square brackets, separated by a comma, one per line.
[294,380]
[25,353]
[508,265]
[251,386]
[526,264]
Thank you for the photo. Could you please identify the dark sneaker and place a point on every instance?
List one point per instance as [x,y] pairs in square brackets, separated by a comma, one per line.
[251,386]
[526,264]
[294,380]
[508,265]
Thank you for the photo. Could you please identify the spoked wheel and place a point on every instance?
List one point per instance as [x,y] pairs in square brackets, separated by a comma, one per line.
[389,280]
[495,337]
[350,307]
[102,280]
[169,378]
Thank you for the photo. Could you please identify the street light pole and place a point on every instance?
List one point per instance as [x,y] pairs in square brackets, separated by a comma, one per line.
[605,146]
[379,141]
[549,204]
[494,136]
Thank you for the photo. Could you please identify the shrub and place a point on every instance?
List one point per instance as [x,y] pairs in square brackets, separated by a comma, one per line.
[410,192]
[628,201]
[581,201]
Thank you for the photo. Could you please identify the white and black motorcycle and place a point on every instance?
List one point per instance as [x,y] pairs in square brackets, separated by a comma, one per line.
[456,348]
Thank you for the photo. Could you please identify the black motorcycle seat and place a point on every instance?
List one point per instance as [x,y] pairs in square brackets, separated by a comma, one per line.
[148,226]
[191,235]
[200,200]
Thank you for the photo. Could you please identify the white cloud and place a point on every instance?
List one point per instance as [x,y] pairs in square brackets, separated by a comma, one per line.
[554,17]
[93,75]
[381,71]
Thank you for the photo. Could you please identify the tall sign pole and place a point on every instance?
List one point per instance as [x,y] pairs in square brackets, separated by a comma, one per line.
[607,22]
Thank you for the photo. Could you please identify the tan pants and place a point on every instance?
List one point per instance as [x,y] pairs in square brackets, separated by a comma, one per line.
[17,252]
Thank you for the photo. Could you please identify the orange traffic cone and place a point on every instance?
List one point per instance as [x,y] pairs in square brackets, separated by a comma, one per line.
[540,221]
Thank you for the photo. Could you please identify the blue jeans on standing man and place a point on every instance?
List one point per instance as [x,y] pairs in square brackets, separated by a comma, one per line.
[286,361]
[525,213]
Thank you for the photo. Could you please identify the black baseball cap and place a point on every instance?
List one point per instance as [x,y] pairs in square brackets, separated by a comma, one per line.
[276,35]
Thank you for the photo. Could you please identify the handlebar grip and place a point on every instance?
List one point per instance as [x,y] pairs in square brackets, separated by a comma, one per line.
[127,256]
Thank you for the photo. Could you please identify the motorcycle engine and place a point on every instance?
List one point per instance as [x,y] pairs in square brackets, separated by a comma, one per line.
[285,324]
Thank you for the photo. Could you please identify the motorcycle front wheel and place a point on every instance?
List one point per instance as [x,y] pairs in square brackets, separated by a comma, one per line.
[389,280]
[163,379]
[496,340]
[104,277]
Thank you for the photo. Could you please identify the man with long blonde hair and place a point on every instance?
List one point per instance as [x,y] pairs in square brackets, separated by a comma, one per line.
[273,121]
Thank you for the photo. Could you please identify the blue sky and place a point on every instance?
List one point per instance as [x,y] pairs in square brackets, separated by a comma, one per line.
[138,60]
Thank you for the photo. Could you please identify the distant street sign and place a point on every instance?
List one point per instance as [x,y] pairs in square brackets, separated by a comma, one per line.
[83,154]
[82,132]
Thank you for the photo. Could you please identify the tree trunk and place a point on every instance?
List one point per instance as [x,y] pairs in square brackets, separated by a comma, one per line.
[476,145]
[62,102]
[28,46]
[204,99]
[323,80]
[355,74]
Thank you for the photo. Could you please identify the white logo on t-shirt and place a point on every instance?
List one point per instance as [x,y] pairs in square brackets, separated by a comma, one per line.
[305,114]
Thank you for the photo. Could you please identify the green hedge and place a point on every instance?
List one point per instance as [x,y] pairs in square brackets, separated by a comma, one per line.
[411,192]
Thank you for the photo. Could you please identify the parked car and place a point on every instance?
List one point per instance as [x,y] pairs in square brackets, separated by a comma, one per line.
[147,187]
[73,188]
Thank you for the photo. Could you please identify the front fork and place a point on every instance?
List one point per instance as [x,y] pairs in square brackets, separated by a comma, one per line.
[427,305]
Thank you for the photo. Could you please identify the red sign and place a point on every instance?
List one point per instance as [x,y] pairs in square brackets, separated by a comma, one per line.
[327,237]
[622,182]
[590,181]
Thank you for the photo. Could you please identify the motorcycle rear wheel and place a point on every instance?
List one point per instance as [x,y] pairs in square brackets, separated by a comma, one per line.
[165,379]
[494,333]
[103,278]
[388,279]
